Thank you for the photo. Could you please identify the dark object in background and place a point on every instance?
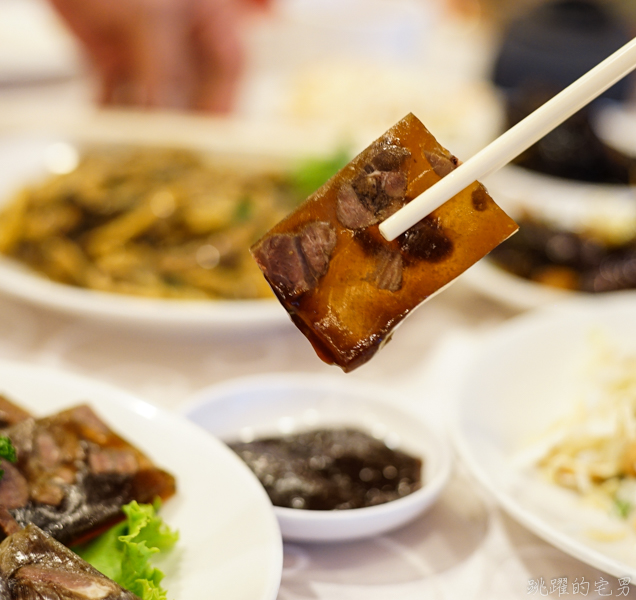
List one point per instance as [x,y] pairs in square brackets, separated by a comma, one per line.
[552,256]
[541,54]
[572,150]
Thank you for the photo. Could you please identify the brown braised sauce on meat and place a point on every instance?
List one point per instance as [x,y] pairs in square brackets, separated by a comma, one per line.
[34,566]
[295,262]
[330,469]
[11,413]
[73,475]
[344,285]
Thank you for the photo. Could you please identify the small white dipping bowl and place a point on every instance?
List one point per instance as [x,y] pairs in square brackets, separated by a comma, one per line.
[255,407]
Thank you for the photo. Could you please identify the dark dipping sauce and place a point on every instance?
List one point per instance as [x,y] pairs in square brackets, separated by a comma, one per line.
[330,469]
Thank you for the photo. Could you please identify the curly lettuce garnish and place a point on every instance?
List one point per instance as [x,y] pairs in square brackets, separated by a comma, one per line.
[7,451]
[123,552]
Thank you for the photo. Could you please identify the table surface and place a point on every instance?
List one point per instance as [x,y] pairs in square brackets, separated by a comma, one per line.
[464,547]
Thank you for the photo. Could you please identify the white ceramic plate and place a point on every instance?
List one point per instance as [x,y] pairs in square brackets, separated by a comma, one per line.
[572,204]
[230,545]
[516,292]
[275,405]
[523,378]
[27,158]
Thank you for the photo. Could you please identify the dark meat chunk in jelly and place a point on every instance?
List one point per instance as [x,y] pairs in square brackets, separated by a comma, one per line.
[330,469]
[380,187]
[426,240]
[381,192]
[441,164]
[371,196]
[374,194]
[280,256]
[295,263]
[367,188]
[480,198]
[317,241]
[388,270]
[350,211]
[393,184]
[390,158]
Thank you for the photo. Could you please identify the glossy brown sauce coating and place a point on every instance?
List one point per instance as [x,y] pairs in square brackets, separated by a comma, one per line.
[371,284]
[330,469]
[35,566]
[73,475]
[11,413]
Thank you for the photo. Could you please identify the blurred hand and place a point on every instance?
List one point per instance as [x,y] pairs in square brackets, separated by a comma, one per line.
[168,53]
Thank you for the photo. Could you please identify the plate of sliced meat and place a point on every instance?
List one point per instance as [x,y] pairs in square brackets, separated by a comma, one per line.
[85,451]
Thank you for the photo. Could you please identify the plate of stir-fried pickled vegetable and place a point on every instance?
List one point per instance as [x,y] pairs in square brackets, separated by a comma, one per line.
[145,234]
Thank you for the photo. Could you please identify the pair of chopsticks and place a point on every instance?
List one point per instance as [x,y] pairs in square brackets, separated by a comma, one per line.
[514,141]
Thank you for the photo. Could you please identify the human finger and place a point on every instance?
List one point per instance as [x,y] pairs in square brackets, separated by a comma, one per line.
[102,27]
[160,59]
[219,53]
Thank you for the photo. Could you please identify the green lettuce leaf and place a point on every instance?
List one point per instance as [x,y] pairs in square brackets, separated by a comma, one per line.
[7,451]
[312,173]
[123,552]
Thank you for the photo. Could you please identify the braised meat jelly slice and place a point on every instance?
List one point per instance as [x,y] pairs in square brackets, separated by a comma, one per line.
[72,476]
[344,285]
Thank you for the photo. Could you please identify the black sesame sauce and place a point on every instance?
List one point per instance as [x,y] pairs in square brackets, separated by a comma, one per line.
[330,469]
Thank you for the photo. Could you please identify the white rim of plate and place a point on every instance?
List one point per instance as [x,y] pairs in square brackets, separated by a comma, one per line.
[496,283]
[17,282]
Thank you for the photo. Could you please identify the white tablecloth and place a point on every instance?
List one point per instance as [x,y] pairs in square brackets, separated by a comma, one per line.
[464,547]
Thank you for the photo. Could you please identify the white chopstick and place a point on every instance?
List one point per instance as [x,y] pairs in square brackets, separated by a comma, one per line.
[514,141]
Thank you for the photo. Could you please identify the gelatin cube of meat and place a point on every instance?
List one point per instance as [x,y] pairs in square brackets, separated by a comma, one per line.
[344,285]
